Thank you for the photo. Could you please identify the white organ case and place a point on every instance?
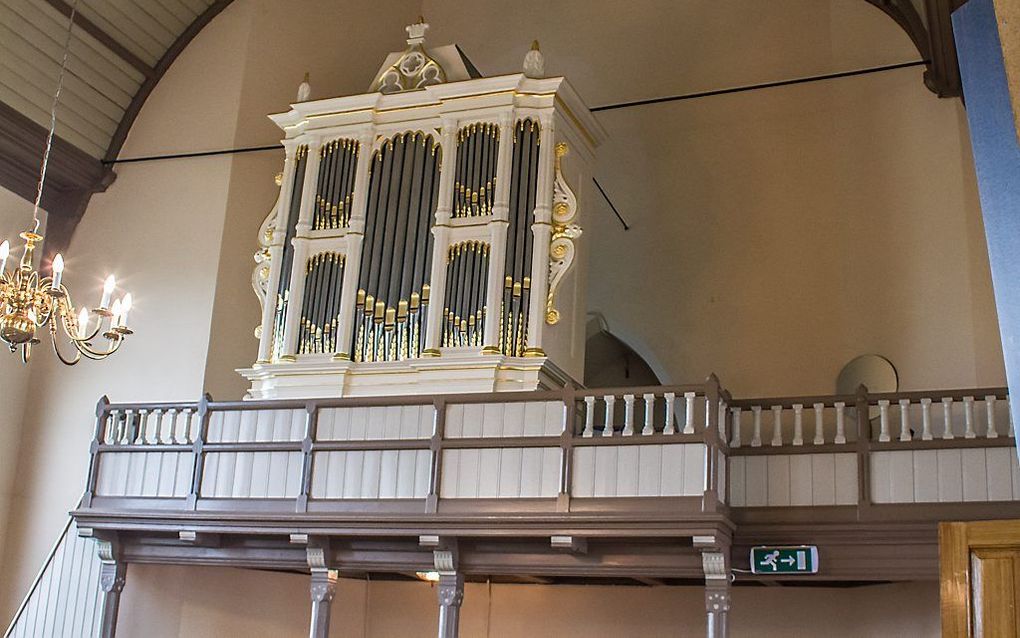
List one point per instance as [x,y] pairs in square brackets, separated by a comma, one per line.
[428,235]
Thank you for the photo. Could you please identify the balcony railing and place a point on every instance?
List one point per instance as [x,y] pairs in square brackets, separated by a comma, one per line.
[690,450]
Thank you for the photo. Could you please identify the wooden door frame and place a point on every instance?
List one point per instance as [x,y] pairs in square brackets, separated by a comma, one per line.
[956,540]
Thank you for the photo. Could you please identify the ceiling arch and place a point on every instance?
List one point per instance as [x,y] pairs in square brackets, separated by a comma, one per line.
[119,52]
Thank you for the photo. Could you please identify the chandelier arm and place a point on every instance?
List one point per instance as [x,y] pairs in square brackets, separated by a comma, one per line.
[67,318]
[56,348]
[98,355]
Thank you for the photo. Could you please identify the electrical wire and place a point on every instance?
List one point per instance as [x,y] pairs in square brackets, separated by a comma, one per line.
[53,116]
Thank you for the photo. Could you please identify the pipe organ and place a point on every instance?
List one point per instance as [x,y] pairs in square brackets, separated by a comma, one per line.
[425,236]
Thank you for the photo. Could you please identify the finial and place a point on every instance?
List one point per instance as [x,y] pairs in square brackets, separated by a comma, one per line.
[534,62]
[416,31]
[304,89]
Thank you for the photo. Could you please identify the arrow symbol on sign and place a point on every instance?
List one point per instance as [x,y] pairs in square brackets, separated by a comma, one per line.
[789,561]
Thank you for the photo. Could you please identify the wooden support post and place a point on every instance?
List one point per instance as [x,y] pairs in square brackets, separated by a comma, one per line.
[450,592]
[715,563]
[323,587]
[99,435]
[112,575]
[307,450]
[861,404]
[198,454]
[436,451]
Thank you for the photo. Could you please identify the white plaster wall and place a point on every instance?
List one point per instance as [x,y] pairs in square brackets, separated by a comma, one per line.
[15,217]
[213,602]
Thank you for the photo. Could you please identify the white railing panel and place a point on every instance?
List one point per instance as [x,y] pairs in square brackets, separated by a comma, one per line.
[376,423]
[511,419]
[144,474]
[383,474]
[945,476]
[501,473]
[785,480]
[639,470]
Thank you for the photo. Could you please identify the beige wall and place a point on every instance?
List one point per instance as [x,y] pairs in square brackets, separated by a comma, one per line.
[16,217]
[776,233]
[213,602]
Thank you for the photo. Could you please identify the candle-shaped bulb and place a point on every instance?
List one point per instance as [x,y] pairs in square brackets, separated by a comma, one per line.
[125,307]
[108,287]
[58,271]
[5,252]
[83,323]
[116,310]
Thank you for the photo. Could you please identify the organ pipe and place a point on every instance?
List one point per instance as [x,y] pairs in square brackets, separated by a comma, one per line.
[520,241]
[474,184]
[283,290]
[392,298]
[335,184]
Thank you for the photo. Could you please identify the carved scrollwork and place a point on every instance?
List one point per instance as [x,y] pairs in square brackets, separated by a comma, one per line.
[263,256]
[415,69]
[564,231]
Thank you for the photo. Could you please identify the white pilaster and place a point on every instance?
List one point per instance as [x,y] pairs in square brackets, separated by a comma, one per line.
[355,244]
[276,249]
[441,236]
[297,271]
[542,229]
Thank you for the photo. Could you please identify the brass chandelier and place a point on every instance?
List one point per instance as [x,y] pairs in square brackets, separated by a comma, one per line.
[30,302]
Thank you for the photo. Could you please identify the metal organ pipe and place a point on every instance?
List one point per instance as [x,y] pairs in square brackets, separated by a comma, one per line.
[283,291]
[517,284]
[392,294]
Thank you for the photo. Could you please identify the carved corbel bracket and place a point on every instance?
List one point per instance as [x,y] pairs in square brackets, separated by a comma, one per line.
[323,585]
[564,231]
[263,256]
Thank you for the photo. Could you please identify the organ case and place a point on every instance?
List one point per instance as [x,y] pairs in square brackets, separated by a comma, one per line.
[427,240]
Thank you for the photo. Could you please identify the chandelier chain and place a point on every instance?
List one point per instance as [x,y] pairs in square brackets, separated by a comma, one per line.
[53,116]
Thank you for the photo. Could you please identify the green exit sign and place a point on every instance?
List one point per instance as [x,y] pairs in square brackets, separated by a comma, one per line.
[795,559]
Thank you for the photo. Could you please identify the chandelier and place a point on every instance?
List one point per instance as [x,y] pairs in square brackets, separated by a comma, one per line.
[30,303]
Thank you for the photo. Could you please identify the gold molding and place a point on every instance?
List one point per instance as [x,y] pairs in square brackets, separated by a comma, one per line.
[564,231]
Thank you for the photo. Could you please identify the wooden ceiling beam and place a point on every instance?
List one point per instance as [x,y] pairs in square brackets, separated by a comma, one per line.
[71,177]
[103,37]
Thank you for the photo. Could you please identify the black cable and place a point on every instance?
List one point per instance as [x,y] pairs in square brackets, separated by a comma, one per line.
[755,87]
[610,202]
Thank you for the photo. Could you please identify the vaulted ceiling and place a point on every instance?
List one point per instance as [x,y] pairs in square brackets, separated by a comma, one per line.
[121,48]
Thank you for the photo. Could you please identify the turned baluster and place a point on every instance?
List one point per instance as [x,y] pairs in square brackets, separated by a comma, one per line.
[628,414]
[735,441]
[649,427]
[883,419]
[926,420]
[968,418]
[756,437]
[840,423]
[669,427]
[905,420]
[723,411]
[589,417]
[689,416]
[991,432]
[819,430]
[777,425]
[610,401]
[947,418]
[798,424]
